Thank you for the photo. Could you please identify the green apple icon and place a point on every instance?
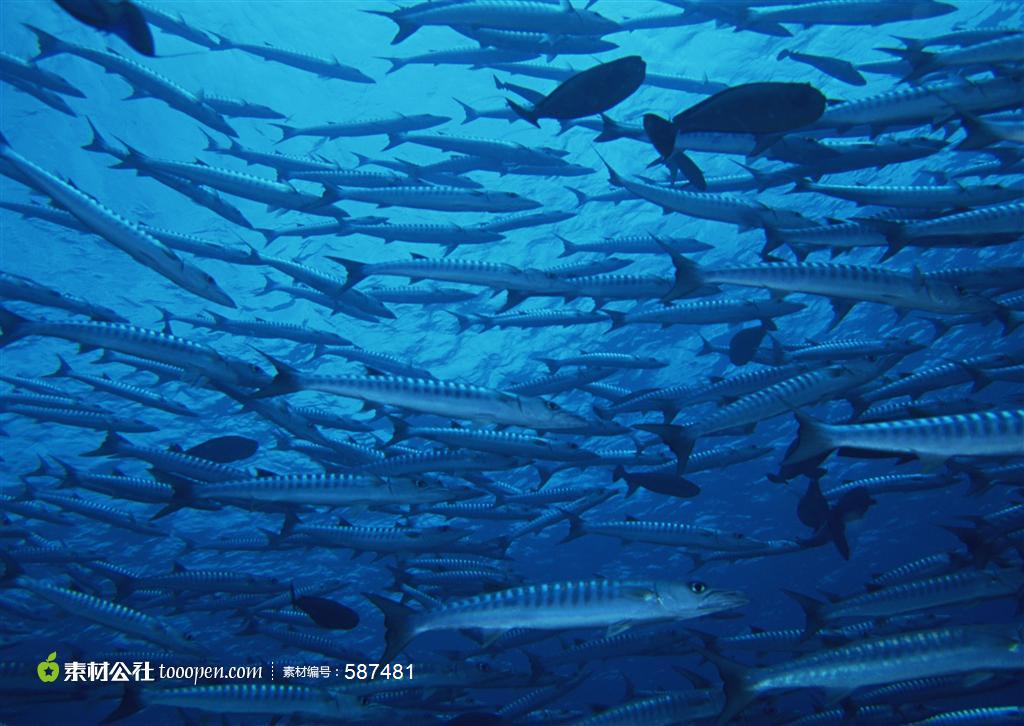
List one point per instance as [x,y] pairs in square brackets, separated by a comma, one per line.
[48,671]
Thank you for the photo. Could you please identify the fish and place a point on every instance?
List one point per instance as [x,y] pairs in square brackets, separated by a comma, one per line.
[837,68]
[430,396]
[782,107]
[589,92]
[118,17]
[950,650]
[144,81]
[127,236]
[559,605]
[559,19]
[322,67]
[932,440]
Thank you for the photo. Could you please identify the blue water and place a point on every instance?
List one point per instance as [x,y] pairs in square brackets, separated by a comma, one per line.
[897,529]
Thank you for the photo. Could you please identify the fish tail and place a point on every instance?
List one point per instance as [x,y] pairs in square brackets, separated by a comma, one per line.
[743,346]
[812,612]
[130,704]
[111,445]
[354,271]
[13,326]
[812,439]
[469,111]
[47,44]
[286,379]
[978,135]
[405,28]
[63,369]
[677,438]
[287,131]
[98,143]
[679,161]
[575,528]
[183,495]
[394,140]
[568,248]
[661,132]
[688,275]
[610,129]
[465,321]
[738,694]
[550,363]
[523,112]
[706,348]
[581,199]
[396,64]
[617,317]
[400,432]
[399,625]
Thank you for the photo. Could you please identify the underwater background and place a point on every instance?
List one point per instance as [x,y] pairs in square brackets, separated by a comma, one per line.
[898,527]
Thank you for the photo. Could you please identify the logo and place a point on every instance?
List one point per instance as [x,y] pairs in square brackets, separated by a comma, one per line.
[49,671]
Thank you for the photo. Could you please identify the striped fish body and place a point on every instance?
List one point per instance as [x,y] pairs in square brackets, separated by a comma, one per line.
[133,393]
[442,398]
[102,513]
[671,534]
[509,152]
[210,581]
[115,616]
[445,199]
[15,287]
[927,197]
[505,443]
[923,104]
[82,419]
[191,467]
[967,370]
[327,489]
[442,234]
[897,658]
[852,282]
[127,236]
[933,440]
[708,312]
[936,564]
[263,698]
[664,709]
[1000,219]
[380,539]
[136,489]
[890,483]
[558,606]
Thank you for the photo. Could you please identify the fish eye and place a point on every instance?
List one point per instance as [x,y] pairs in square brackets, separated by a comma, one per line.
[421,483]
[551,405]
[697,587]
[574,446]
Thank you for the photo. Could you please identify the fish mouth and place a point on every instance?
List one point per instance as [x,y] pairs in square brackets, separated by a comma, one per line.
[724,600]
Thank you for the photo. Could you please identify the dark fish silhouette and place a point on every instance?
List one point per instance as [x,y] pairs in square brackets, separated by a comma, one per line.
[325,612]
[590,92]
[120,17]
[224,449]
[763,110]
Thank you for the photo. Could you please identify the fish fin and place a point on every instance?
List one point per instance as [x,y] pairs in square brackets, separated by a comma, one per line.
[661,133]
[738,694]
[399,625]
[743,346]
[812,439]
[286,379]
[812,612]
[523,112]
[575,528]
[130,703]
[111,445]
[676,438]
[687,275]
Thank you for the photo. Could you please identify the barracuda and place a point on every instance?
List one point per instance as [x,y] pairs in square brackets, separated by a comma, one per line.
[670,534]
[117,617]
[442,398]
[635,245]
[351,178]
[920,654]
[397,124]
[926,197]
[844,285]
[124,390]
[932,440]
[275,194]
[100,512]
[708,312]
[958,588]
[508,151]
[260,329]
[715,207]
[441,198]
[663,709]
[127,236]
[529,16]
[556,606]
[974,369]
[83,419]
[889,483]
[293,167]
[256,698]
[142,342]
[924,104]
[132,488]
[168,460]
[382,540]
[330,490]
[144,81]
[16,287]
[800,390]
[322,67]
[504,443]
[541,319]
[449,235]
